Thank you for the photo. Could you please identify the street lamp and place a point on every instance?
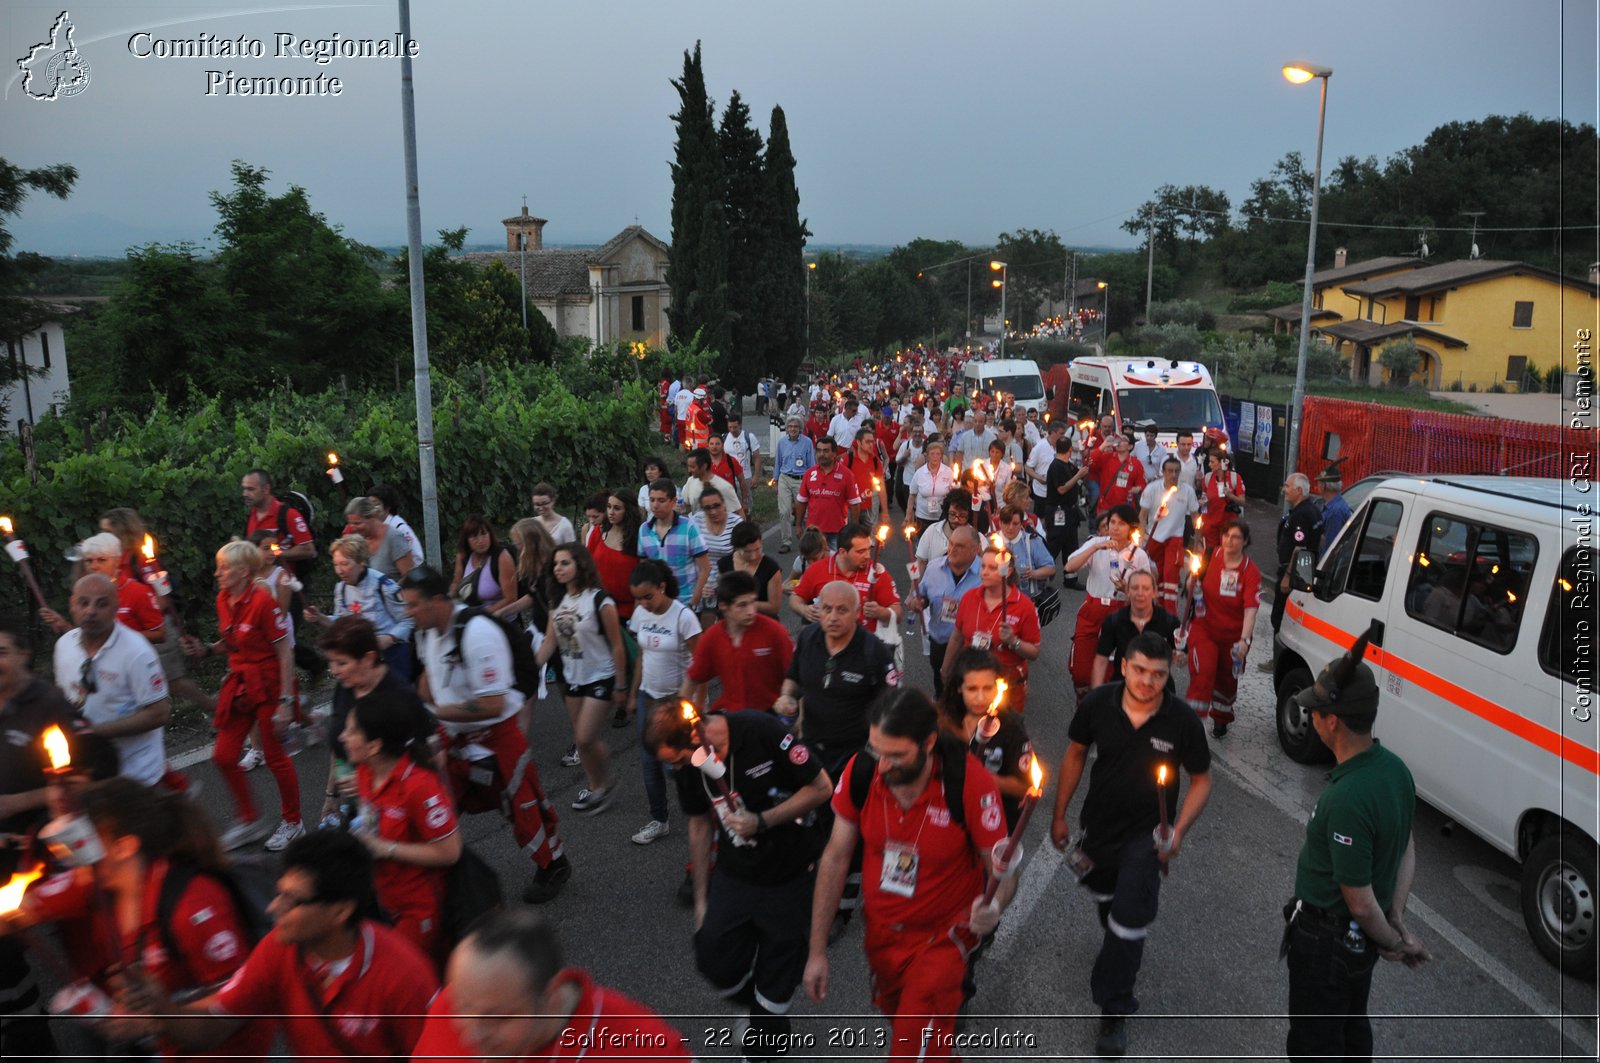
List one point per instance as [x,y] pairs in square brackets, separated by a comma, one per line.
[1001,284]
[1105,314]
[1298,74]
[811,267]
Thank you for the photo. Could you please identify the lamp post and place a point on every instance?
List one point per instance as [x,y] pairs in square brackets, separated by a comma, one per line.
[1001,284]
[1105,314]
[811,267]
[1298,74]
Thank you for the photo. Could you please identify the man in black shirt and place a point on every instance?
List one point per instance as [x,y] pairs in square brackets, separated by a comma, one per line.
[1301,526]
[1141,614]
[1059,509]
[752,912]
[1138,729]
[28,707]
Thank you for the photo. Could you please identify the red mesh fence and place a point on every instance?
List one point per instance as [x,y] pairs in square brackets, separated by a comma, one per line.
[1376,438]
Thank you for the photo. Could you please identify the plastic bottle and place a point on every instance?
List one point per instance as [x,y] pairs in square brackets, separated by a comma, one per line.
[1354,940]
[1238,662]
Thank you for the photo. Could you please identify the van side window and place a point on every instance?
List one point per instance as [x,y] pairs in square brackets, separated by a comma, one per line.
[1082,396]
[1370,567]
[1471,580]
[1336,566]
[1565,644]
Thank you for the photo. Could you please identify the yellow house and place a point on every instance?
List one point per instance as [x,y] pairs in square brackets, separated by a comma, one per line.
[1475,321]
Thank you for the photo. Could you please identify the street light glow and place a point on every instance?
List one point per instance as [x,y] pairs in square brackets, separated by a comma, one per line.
[998,284]
[997,264]
[1298,73]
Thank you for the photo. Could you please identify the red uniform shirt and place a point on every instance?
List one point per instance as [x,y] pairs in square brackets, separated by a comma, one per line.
[874,584]
[377,1003]
[975,620]
[251,627]
[137,606]
[816,425]
[412,806]
[290,525]
[948,873]
[1218,489]
[1229,592]
[728,468]
[751,672]
[888,434]
[1119,481]
[828,496]
[865,470]
[604,1025]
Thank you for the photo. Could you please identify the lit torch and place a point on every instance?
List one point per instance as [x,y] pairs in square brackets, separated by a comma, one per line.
[726,803]
[11,893]
[1166,496]
[1008,848]
[1163,836]
[19,553]
[155,576]
[989,726]
[879,537]
[335,473]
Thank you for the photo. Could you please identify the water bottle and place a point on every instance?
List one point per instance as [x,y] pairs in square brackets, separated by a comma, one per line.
[1354,941]
[1238,662]
[1199,600]
[349,807]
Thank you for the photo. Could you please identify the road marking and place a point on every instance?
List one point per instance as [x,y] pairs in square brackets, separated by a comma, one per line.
[1509,980]
[1036,879]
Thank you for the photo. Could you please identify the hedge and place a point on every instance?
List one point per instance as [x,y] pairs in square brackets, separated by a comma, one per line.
[497,432]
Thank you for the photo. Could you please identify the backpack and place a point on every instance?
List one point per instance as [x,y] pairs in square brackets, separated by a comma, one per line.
[952,754]
[471,891]
[524,664]
[250,881]
[301,505]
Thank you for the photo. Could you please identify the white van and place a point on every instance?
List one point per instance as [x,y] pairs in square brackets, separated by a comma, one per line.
[1484,590]
[1017,377]
[1177,396]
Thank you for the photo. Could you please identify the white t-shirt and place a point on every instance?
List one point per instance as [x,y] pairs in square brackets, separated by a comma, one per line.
[664,647]
[561,531]
[127,677]
[483,668]
[1151,458]
[843,429]
[581,638]
[930,485]
[741,446]
[1106,570]
[1039,459]
[407,536]
[908,454]
[681,402]
[1182,506]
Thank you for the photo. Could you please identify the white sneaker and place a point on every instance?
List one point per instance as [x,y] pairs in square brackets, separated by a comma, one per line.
[245,832]
[591,801]
[251,759]
[286,833]
[570,758]
[650,832]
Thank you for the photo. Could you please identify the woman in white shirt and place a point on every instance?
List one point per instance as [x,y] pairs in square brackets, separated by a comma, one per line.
[667,632]
[715,525]
[929,486]
[1109,557]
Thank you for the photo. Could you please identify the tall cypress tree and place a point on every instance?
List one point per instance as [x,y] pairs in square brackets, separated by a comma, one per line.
[697,265]
[744,212]
[783,268]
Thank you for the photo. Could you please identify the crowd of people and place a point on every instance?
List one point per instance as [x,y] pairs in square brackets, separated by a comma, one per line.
[815,781]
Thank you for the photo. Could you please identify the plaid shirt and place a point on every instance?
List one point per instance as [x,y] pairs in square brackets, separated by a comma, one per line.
[679,548]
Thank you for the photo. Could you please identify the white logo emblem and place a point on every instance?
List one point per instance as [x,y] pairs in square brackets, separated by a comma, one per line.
[55,69]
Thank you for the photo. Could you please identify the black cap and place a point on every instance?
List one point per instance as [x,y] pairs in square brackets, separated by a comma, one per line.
[1346,686]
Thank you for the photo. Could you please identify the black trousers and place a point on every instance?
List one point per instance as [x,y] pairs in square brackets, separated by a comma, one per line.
[1279,598]
[24,1032]
[1328,989]
[1127,887]
[936,652]
[752,948]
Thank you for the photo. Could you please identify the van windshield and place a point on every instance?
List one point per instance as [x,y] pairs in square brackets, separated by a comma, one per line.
[1172,409]
[1018,387]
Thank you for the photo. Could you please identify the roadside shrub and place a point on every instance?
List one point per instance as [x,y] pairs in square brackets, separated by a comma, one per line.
[1182,312]
[1552,379]
[1497,388]
[1455,385]
[1402,360]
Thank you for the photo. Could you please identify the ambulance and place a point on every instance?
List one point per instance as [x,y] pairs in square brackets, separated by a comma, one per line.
[1178,396]
[1483,592]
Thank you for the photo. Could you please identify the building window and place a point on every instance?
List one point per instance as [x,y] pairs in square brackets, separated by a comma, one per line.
[1522,315]
[638,313]
[1516,365]
[1413,307]
[44,344]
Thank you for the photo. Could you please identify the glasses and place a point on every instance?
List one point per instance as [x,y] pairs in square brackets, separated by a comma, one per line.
[711,506]
[87,677]
[289,902]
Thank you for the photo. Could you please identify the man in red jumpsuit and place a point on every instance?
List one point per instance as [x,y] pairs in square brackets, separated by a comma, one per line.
[923,873]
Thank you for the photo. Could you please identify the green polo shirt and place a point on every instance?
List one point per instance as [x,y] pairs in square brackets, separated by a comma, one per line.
[1358,831]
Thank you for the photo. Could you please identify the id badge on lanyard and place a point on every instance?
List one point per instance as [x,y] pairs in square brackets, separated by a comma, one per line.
[899,874]
[1060,518]
[980,640]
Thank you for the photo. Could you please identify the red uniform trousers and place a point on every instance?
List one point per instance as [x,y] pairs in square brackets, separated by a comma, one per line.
[1167,555]
[1212,684]
[917,982]
[1091,617]
[1211,531]
[248,698]
[515,792]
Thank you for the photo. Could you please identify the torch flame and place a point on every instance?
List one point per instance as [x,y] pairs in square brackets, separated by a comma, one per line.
[1161,775]
[1037,774]
[690,713]
[1135,537]
[877,484]
[911,532]
[883,534]
[1194,562]
[1199,522]
[333,459]
[5,525]
[999,696]
[55,747]
[11,893]
[997,541]
[149,547]
[1084,426]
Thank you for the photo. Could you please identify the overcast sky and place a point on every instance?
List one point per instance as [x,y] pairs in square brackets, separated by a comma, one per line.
[939,118]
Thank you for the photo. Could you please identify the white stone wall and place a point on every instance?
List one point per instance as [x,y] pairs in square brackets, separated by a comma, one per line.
[47,389]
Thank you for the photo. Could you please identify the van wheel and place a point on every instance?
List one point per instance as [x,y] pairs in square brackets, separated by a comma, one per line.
[1295,733]
[1559,879]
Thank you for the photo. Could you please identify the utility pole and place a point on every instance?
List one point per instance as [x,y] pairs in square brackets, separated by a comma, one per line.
[419,303]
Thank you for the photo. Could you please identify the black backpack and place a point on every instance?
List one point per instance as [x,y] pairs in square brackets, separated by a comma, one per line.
[525,670]
[952,755]
[251,882]
[471,891]
[301,505]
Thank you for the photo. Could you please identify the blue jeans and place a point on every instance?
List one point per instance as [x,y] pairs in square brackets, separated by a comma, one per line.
[655,773]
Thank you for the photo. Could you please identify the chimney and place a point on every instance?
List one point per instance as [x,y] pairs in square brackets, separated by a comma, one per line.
[524,223]
[1338,257]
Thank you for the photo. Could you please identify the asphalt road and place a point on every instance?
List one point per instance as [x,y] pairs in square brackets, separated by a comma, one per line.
[1211,986]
